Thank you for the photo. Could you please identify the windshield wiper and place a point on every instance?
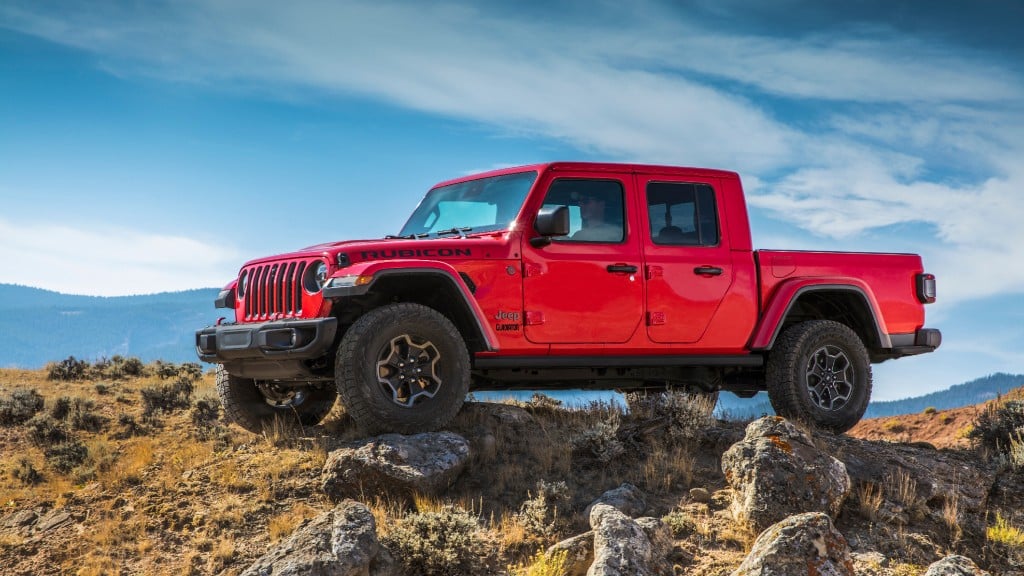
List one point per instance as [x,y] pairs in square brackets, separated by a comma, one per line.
[406,236]
[460,231]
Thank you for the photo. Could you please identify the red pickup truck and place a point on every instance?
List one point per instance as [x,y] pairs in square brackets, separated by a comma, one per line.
[563,275]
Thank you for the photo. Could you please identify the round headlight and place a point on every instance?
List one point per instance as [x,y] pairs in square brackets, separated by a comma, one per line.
[315,277]
[243,282]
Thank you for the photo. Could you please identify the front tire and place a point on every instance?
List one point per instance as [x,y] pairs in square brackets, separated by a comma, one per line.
[254,406]
[819,373]
[402,368]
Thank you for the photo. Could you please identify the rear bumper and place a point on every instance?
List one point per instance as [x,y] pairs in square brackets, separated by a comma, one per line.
[922,341]
[277,340]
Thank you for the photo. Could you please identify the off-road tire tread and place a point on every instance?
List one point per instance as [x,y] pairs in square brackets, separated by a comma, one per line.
[352,382]
[244,405]
[785,362]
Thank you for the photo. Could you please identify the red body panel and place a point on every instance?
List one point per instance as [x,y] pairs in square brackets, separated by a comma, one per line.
[561,298]
[888,280]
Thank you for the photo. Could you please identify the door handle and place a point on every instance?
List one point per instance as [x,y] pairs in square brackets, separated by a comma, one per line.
[707,271]
[622,268]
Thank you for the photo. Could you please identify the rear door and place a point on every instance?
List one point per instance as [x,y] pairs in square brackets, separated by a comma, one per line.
[586,287]
[688,261]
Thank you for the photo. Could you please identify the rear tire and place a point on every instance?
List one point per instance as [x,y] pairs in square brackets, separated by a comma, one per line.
[819,373]
[402,368]
[253,407]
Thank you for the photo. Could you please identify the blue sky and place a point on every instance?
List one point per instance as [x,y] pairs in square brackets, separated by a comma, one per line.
[156,146]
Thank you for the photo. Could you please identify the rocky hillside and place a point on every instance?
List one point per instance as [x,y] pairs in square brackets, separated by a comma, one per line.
[129,469]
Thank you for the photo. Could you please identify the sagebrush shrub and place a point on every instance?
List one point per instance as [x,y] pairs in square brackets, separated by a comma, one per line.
[441,543]
[686,415]
[997,426]
[45,430]
[79,413]
[67,369]
[129,427]
[541,514]
[206,418]
[21,405]
[543,401]
[26,472]
[166,397]
[164,370]
[600,440]
[119,367]
[66,455]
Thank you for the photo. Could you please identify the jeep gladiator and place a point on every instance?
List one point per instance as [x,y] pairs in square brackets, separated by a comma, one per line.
[563,275]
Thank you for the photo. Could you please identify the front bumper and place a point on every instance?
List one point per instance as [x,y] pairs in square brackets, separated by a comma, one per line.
[276,340]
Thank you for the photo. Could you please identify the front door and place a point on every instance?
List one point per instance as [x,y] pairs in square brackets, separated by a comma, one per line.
[586,287]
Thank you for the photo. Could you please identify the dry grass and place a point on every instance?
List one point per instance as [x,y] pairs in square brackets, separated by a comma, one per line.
[1016,451]
[541,565]
[667,467]
[1002,532]
[283,524]
[135,455]
[167,501]
[951,516]
[386,512]
[894,426]
[869,500]
[901,487]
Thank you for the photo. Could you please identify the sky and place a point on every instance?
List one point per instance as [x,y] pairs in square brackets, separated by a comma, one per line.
[156,146]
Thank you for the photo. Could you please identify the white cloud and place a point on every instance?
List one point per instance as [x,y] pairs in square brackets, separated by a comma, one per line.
[109,262]
[897,117]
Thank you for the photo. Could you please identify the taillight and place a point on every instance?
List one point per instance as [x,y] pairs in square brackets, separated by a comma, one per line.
[926,288]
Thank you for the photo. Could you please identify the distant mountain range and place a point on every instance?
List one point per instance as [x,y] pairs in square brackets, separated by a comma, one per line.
[38,326]
[966,394]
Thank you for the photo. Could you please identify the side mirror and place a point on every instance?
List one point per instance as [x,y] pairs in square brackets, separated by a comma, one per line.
[550,222]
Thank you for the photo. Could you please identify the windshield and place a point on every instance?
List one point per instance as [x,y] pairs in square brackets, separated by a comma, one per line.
[483,205]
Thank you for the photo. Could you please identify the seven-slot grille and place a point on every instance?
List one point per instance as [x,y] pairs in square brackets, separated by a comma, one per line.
[274,290]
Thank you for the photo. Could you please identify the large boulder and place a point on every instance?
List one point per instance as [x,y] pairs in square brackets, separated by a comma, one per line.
[662,543]
[424,463]
[579,553]
[627,499]
[621,548]
[777,471]
[341,542]
[938,476]
[797,546]
[955,566]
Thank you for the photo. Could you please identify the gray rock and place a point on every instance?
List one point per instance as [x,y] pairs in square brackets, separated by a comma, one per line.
[494,413]
[700,495]
[627,499]
[19,519]
[869,563]
[425,463]
[579,553]
[797,546]
[777,471]
[938,476]
[955,566]
[620,546]
[52,521]
[662,543]
[342,542]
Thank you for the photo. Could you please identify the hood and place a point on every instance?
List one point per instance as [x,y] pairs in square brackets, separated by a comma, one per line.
[484,246]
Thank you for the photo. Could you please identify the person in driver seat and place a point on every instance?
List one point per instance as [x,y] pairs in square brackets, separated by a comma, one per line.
[598,224]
